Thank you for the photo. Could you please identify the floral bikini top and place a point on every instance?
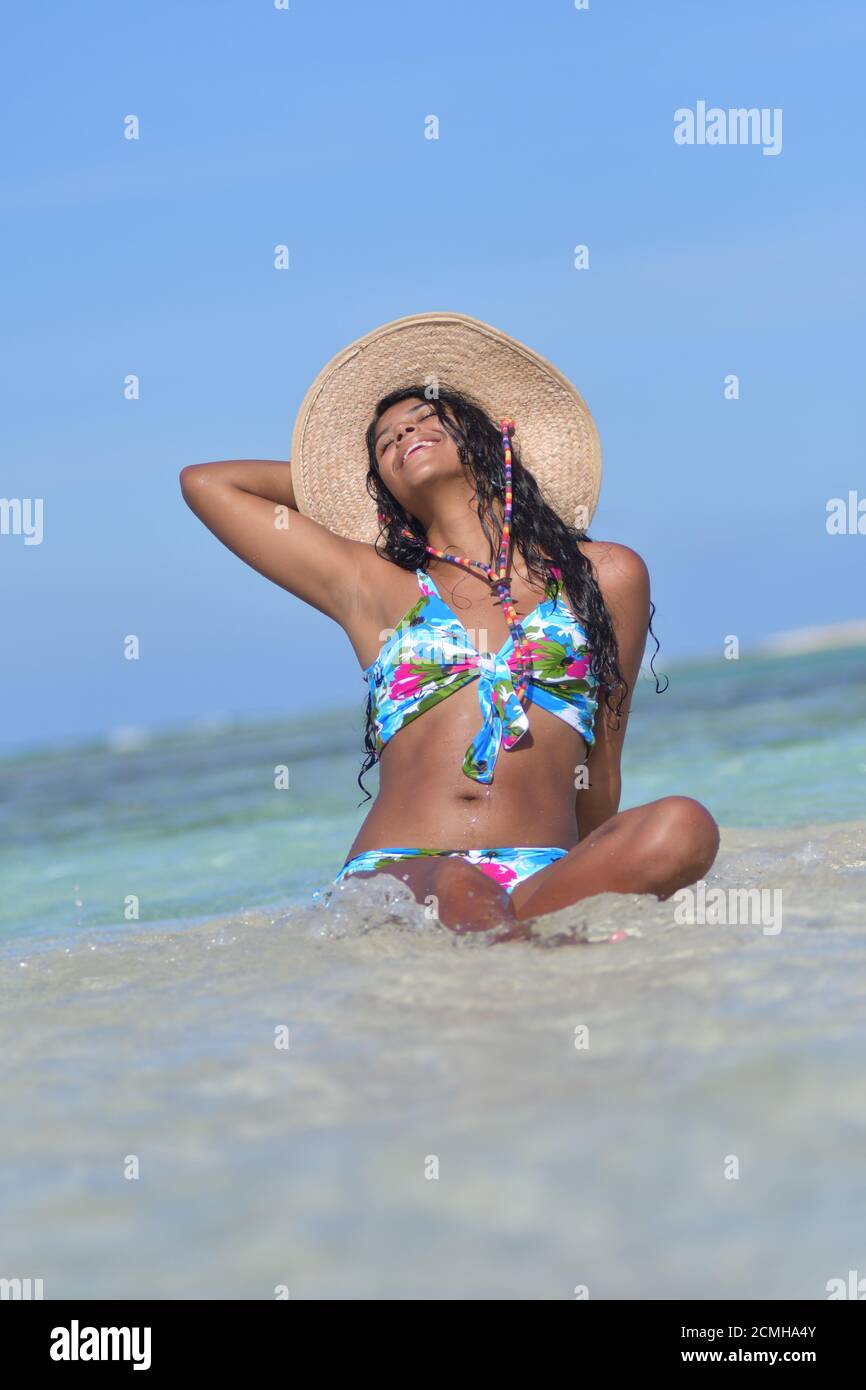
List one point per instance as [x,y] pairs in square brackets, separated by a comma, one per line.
[430,655]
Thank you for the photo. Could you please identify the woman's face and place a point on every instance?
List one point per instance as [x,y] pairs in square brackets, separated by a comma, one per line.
[414,450]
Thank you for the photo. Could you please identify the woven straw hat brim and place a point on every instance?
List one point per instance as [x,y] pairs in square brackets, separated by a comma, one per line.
[554,430]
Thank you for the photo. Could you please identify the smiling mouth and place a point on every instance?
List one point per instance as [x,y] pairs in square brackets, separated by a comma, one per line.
[413,448]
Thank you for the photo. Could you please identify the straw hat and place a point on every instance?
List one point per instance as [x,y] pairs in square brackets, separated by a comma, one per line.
[554,431]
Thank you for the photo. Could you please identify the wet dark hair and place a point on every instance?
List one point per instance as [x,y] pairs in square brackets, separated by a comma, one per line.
[537,532]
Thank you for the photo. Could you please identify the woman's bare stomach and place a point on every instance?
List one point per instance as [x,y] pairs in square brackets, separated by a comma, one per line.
[426,800]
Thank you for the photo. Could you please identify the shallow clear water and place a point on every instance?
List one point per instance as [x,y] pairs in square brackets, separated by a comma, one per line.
[192,824]
[558,1165]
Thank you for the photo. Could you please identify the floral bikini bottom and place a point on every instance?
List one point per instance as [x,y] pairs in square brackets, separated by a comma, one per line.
[507,867]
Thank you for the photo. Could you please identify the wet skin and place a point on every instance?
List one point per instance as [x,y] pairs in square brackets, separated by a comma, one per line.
[425,799]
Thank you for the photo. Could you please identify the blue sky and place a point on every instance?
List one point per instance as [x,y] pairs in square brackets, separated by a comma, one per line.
[306,127]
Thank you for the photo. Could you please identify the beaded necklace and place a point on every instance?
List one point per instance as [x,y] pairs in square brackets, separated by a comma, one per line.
[498,575]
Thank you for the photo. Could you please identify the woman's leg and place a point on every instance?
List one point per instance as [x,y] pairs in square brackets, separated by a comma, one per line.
[460,895]
[656,848]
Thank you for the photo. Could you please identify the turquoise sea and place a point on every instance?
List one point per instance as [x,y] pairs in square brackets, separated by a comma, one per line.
[191,822]
[178,987]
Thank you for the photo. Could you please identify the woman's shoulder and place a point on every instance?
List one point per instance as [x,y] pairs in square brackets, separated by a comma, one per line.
[623,578]
[616,566]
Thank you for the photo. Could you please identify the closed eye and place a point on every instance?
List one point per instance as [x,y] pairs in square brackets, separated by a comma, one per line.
[388,442]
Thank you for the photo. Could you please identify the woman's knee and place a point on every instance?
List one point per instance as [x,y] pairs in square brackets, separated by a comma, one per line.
[467,898]
[683,838]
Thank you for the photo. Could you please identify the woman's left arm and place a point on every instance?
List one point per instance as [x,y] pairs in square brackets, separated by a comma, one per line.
[624,582]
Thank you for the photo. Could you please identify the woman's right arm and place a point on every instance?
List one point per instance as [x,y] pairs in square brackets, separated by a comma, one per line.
[250,506]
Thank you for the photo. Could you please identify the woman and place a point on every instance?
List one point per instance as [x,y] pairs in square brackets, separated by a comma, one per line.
[500,645]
